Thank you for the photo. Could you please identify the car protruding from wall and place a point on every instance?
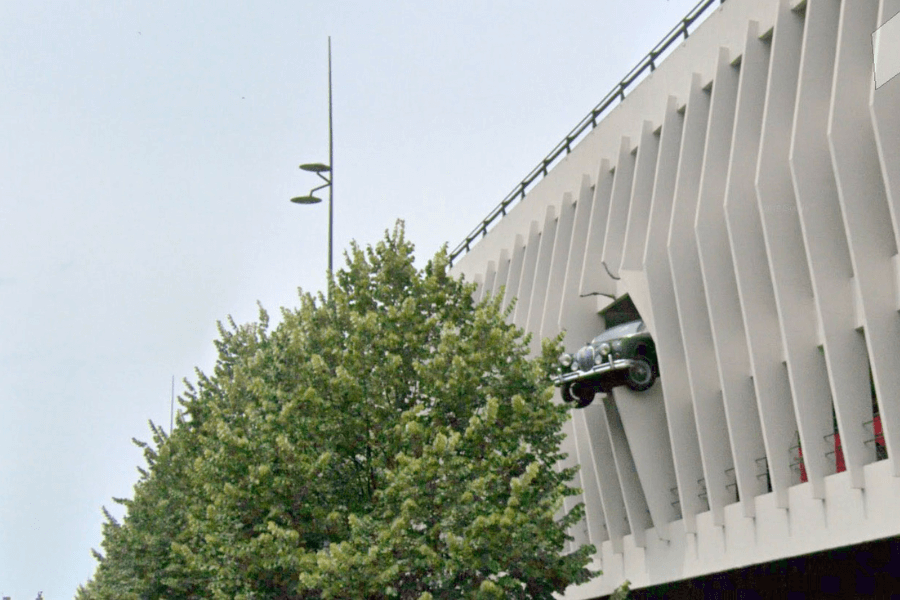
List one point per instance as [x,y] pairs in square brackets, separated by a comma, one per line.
[622,355]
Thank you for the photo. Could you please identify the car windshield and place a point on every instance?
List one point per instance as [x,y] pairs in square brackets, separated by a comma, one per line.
[619,331]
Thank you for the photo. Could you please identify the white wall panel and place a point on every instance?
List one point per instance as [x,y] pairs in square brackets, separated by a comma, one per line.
[866,216]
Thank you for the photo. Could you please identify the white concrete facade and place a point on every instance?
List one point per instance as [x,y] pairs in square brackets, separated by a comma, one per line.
[746,196]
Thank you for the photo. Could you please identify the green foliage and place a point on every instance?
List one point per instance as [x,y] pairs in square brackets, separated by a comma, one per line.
[622,592]
[391,441]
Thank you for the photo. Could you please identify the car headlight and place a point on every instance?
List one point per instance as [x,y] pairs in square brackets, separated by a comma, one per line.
[604,348]
[598,359]
[565,359]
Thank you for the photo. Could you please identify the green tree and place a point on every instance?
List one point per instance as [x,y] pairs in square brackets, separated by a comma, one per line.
[391,441]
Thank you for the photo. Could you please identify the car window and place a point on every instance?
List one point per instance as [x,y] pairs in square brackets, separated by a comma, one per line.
[620,331]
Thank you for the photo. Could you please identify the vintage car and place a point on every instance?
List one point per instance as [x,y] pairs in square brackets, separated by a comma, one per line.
[621,355]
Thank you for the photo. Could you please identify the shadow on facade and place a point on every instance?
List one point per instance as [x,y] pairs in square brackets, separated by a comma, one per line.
[869,570]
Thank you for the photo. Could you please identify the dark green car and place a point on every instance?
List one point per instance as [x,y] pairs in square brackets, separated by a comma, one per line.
[621,355]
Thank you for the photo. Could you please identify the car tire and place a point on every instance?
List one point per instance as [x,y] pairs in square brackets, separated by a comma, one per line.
[581,394]
[584,394]
[640,376]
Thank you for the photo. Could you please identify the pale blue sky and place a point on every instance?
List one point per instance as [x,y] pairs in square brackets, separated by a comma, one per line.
[147,154]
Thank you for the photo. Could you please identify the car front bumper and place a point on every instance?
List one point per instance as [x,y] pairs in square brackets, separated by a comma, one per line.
[611,366]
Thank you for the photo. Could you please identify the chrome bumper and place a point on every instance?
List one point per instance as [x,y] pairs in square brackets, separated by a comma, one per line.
[607,367]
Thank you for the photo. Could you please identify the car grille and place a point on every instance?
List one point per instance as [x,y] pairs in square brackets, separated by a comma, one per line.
[585,358]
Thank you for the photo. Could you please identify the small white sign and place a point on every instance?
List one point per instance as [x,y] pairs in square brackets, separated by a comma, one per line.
[886,45]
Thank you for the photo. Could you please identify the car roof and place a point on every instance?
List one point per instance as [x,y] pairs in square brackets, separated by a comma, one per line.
[618,331]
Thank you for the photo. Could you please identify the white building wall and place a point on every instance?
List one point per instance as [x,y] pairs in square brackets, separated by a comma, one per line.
[746,196]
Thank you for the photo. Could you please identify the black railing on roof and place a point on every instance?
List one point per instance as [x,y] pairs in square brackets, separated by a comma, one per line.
[616,95]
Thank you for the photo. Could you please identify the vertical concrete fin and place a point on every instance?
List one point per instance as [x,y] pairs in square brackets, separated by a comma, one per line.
[526,281]
[594,278]
[729,338]
[693,313]
[633,494]
[787,256]
[619,203]
[503,263]
[515,271]
[643,416]
[541,276]
[753,274]
[577,314]
[607,476]
[666,328]
[490,279]
[549,324]
[824,235]
[593,504]
[641,197]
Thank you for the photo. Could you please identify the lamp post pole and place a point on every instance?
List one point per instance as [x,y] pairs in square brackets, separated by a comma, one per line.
[319,169]
[330,164]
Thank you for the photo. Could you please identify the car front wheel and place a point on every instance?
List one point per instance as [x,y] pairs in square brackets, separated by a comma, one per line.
[640,375]
[580,393]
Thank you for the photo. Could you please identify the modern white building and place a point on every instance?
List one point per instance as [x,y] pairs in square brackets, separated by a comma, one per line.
[740,192]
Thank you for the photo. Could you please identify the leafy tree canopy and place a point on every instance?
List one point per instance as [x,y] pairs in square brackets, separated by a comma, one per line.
[392,440]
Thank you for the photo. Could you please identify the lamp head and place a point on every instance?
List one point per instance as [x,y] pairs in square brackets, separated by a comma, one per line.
[315,168]
[306,200]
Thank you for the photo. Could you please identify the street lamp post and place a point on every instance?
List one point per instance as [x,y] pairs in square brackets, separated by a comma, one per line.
[320,169]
